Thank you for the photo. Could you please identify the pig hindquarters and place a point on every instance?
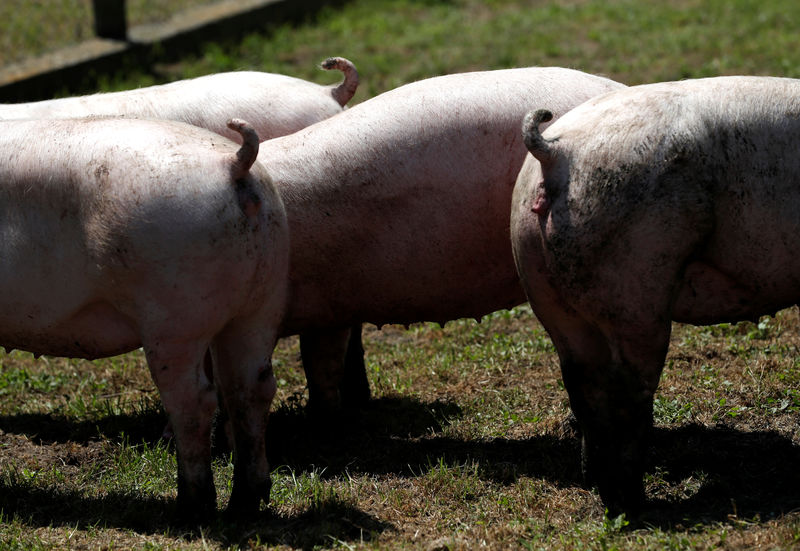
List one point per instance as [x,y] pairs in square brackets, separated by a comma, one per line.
[122,233]
[399,207]
[274,104]
[673,201]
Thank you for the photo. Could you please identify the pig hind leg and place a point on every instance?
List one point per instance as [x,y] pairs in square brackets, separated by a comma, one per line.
[333,360]
[611,330]
[613,403]
[626,320]
[611,374]
[189,400]
[242,364]
[354,389]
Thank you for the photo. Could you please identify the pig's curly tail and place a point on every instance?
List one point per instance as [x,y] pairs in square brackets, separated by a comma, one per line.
[345,90]
[247,154]
[536,144]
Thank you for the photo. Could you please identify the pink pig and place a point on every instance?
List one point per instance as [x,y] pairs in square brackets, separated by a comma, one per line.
[672,201]
[121,233]
[275,105]
[399,210]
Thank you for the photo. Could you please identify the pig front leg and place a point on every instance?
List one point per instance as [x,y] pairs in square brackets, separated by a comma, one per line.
[189,400]
[333,360]
[354,389]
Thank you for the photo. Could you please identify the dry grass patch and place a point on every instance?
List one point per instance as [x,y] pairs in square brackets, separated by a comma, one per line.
[466,443]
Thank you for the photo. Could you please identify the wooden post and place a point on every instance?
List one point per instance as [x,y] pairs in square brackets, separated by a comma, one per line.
[109,19]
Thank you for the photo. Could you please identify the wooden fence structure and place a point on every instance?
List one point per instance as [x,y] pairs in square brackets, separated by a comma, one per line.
[76,69]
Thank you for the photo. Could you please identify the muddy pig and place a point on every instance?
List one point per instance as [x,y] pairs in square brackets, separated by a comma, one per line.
[673,201]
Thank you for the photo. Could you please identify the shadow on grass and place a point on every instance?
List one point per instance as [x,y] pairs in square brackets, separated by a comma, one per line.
[320,525]
[324,525]
[730,473]
[145,425]
[745,474]
[402,436]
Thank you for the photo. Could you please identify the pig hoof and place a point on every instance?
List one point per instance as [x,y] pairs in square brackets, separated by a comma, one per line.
[167,433]
[245,502]
[355,398]
[191,515]
[196,504]
[323,403]
[629,501]
[354,391]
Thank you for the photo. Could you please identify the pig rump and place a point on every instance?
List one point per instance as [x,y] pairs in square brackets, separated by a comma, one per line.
[154,247]
[671,201]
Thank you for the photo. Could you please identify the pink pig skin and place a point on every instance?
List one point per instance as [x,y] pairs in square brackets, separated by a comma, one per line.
[120,233]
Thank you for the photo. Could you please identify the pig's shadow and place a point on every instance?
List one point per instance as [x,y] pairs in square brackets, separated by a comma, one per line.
[310,529]
[50,438]
[145,425]
[749,474]
[404,437]
[725,472]
[740,474]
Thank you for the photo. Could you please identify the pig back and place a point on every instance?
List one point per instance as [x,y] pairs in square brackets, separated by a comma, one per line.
[274,104]
[399,207]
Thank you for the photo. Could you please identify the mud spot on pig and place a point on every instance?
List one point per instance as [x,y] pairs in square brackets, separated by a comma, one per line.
[102,175]
[120,255]
[101,172]
[248,200]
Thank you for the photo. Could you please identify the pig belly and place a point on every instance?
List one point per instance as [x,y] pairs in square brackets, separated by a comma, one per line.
[709,295]
[749,266]
[418,262]
[95,330]
[438,292]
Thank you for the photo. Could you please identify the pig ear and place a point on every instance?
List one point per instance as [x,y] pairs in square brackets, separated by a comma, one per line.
[536,144]
[247,154]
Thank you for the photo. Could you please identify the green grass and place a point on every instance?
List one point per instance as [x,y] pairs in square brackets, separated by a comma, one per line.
[467,442]
[30,28]
[468,451]
[396,41]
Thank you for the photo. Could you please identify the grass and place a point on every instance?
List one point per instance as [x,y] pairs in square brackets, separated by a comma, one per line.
[467,442]
[396,41]
[29,28]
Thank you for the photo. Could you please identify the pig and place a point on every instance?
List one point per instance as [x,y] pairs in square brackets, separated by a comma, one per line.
[274,104]
[677,201]
[123,233]
[399,210]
